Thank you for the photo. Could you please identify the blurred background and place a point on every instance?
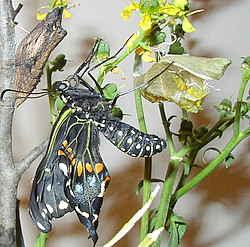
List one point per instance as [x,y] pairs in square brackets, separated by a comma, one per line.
[217,212]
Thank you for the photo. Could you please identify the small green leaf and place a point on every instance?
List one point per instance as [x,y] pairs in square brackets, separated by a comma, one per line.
[103,51]
[58,63]
[176,48]
[229,159]
[117,112]
[177,229]
[110,91]
[225,108]
[245,69]
[186,168]
[149,6]
[157,37]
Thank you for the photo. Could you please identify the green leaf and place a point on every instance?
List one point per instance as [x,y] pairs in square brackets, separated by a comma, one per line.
[149,6]
[117,112]
[157,37]
[110,91]
[245,69]
[176,48]
[225,108]
[58,63]
[103,51]
[186,168]
[177,229]
[229,159]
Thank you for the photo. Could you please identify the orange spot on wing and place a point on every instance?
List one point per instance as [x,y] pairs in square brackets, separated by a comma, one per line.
[99,167]
[71,157]
[89,167]
[79,168]
[73,162]
[60,152]
[65,144]
[69,150]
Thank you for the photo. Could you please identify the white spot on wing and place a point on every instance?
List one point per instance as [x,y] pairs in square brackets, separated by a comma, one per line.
[63,205]
[158,146]
[138,146]
[48,188]
[64,169]
[40,226]
[47,170]
[50,209]
[129,140]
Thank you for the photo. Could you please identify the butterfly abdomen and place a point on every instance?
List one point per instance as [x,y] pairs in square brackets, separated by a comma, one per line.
[130,140]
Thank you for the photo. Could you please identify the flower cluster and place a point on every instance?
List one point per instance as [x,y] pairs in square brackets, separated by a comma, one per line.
[54,4]
[159,11]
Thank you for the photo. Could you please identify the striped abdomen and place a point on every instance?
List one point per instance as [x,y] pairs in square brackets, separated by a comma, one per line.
[130,140]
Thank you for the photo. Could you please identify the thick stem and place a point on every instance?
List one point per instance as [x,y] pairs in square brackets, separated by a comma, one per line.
[8,178]
[137,70]
[163,207]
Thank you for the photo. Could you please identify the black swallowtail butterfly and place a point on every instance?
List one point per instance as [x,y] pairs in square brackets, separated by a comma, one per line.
[72,175]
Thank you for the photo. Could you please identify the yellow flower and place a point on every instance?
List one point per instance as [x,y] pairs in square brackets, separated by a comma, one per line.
[132,39]
[154,11]
[145,55]
[146,22]
[52,5]
[125,14]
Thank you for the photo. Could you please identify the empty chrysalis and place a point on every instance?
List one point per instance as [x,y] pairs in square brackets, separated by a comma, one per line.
[184,82]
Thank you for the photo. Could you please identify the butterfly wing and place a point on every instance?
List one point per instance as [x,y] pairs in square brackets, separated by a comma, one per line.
[48,199]
[89,176]
[71,176]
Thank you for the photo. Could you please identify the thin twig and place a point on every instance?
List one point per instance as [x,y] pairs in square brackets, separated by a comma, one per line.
[24,164]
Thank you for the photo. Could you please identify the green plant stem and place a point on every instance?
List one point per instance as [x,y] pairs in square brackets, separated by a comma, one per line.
[147,167]
[245,79]
[167,130]
[50,96]
[41,240]
[211,167]
[163,207]
[146,195]
[130,49]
